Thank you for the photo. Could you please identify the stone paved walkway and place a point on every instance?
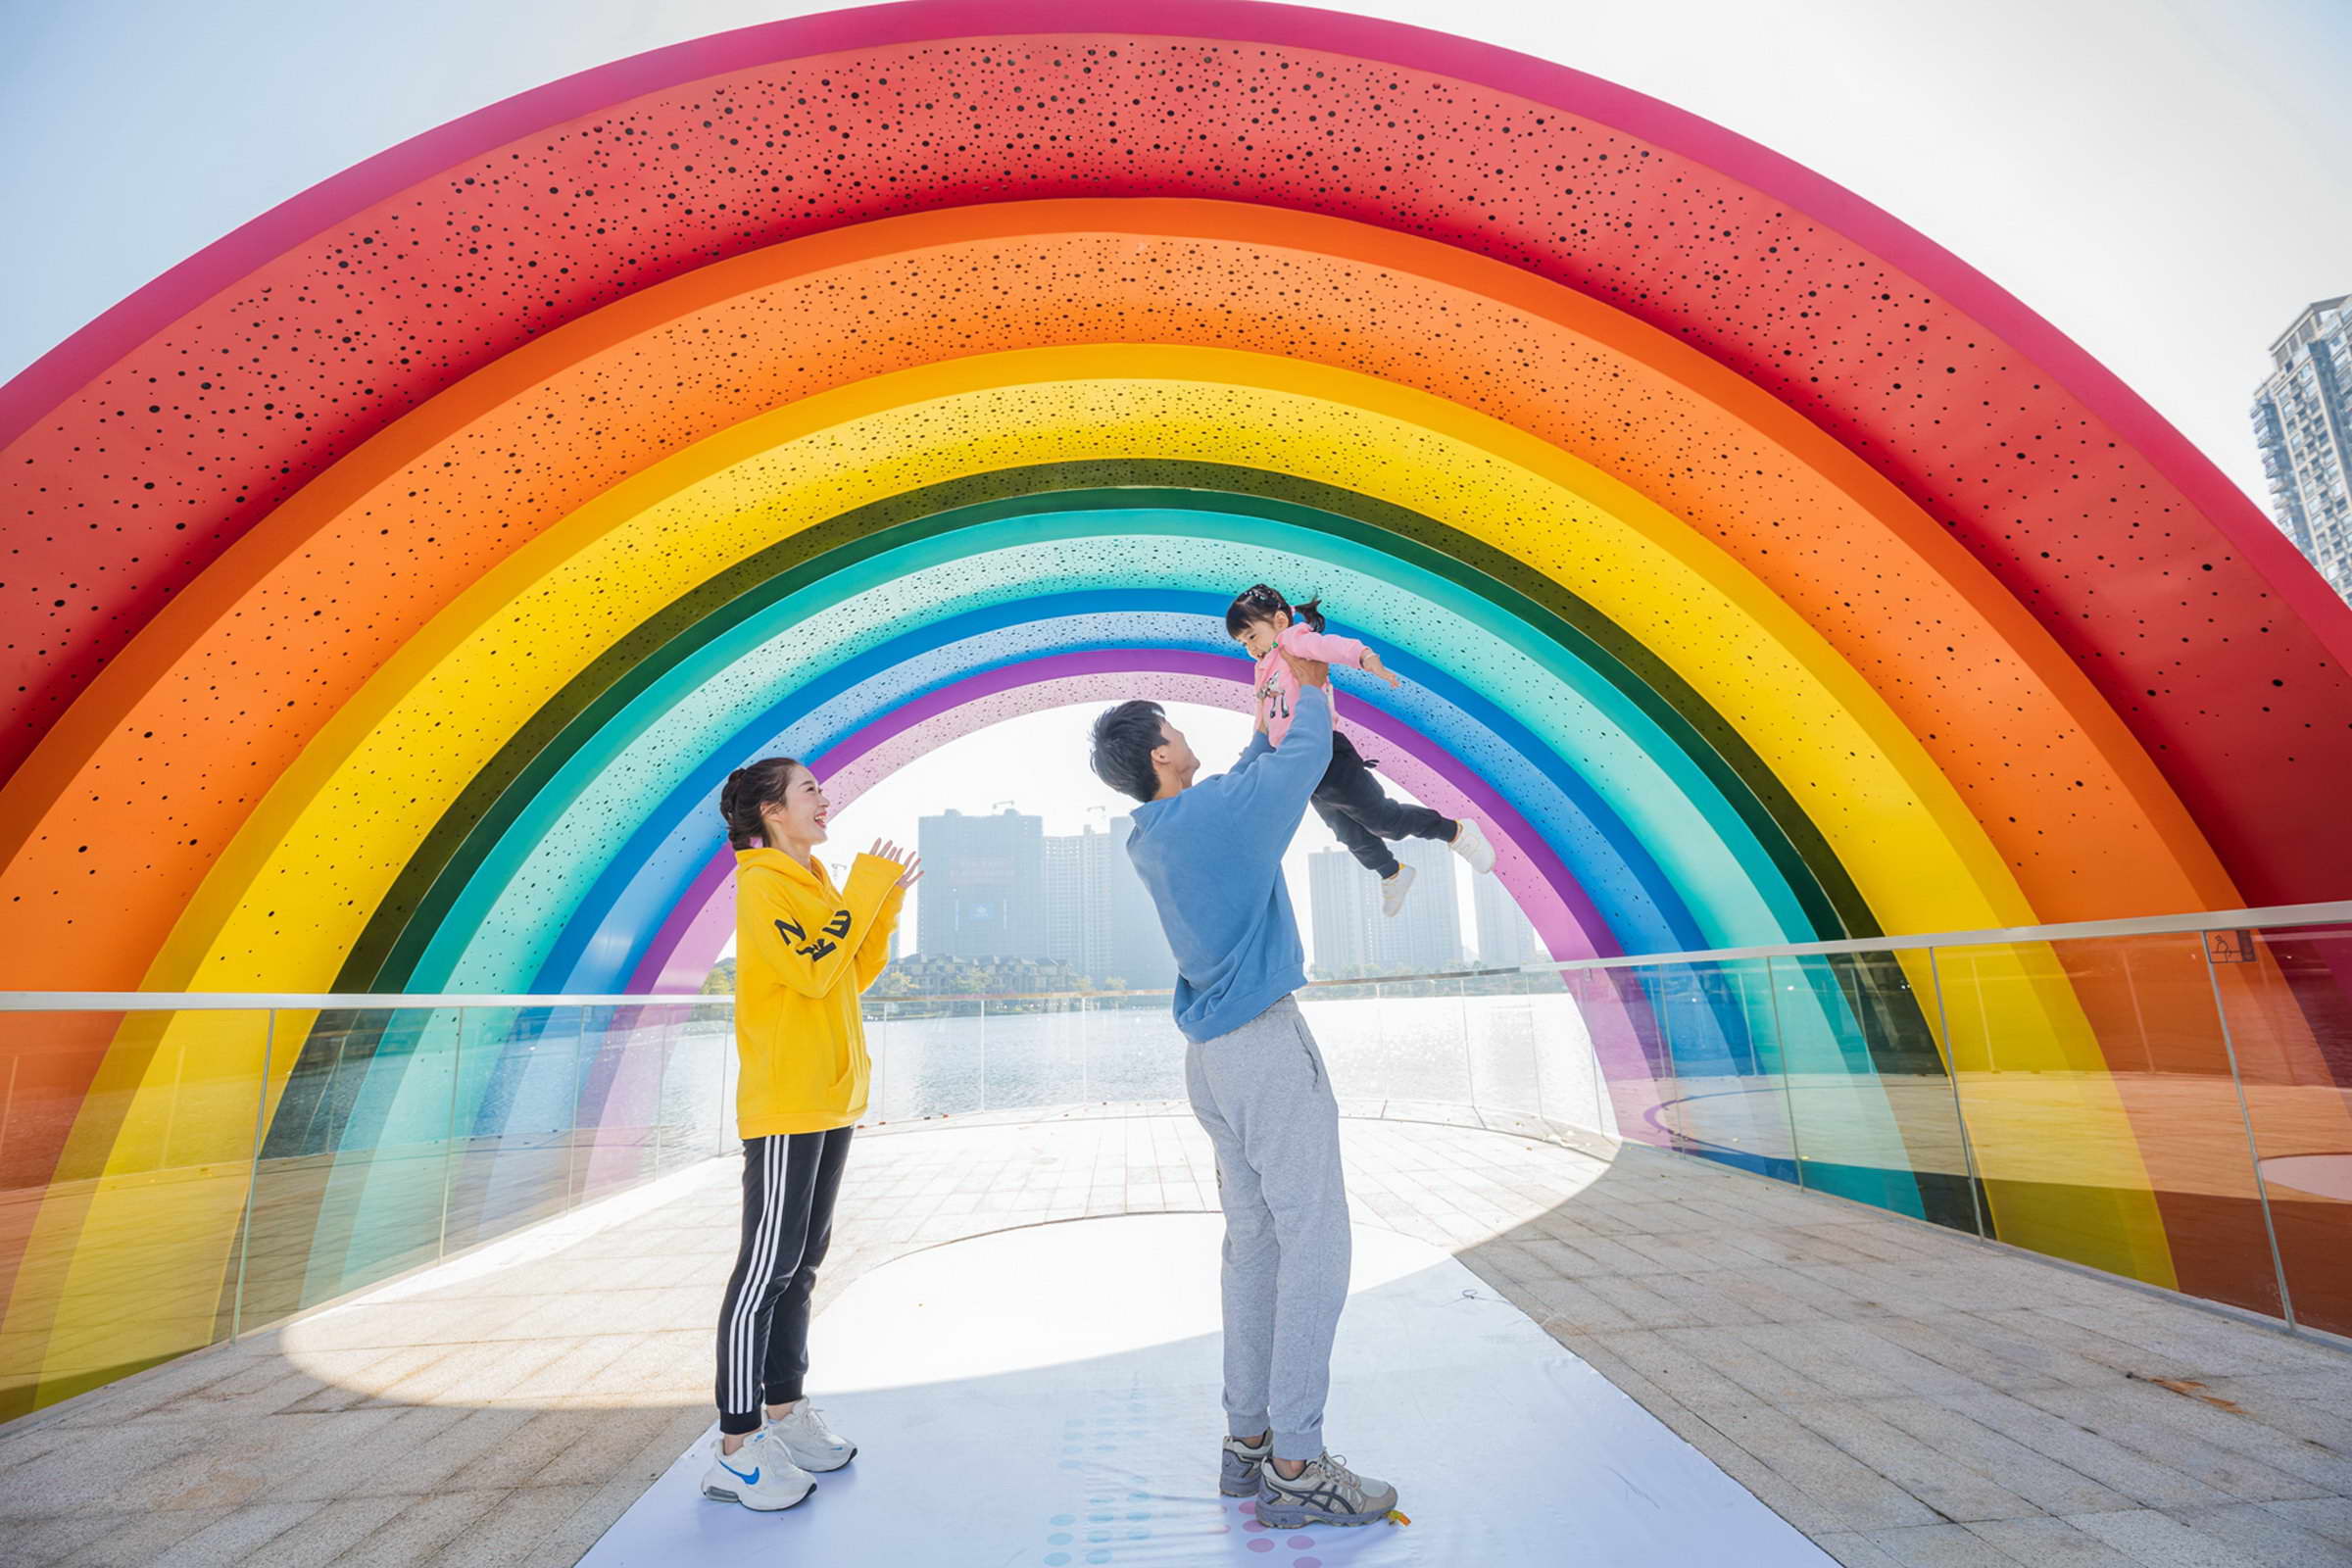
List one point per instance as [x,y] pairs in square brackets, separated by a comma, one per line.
[1905,1396]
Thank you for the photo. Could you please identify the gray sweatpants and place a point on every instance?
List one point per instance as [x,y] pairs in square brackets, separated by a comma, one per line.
[1266,1103]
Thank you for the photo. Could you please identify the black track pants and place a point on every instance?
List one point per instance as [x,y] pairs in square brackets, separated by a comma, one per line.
[789,1183]
[1360,813]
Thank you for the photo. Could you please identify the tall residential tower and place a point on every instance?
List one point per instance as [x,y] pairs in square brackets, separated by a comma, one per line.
[2303,422]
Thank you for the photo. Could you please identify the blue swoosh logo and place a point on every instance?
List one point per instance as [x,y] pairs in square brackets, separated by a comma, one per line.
[751,1480]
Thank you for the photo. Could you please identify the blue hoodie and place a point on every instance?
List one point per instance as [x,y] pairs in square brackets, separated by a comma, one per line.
[1211,857]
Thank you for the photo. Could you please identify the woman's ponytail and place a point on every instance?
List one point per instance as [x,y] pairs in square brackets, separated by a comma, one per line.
[746,790]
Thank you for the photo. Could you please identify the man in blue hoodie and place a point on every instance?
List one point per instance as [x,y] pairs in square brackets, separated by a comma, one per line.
[1211,854]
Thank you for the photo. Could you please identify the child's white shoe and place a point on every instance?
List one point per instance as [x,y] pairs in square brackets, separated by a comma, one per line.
[1470,843]
[813,1445]
[1393,889]
[759,1475]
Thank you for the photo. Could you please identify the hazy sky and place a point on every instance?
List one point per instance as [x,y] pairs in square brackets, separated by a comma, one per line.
[2164,179]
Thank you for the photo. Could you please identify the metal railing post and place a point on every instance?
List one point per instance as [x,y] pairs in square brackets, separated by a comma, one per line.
[576,1185]
[253,1172]
[449,1141]
[1951,1072]
[669,1027]
[1461,1017]
[2245,1117]
[1779,1046]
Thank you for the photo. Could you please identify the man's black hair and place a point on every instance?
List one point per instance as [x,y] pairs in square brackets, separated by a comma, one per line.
[1125,737]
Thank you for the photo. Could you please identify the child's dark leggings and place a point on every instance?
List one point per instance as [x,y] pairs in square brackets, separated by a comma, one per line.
[788,1182]
[1361,815]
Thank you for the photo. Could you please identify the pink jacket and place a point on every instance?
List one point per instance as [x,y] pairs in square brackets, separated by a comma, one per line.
[1278,688]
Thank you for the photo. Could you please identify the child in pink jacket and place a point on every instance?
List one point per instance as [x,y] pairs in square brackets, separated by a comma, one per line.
[1350,800]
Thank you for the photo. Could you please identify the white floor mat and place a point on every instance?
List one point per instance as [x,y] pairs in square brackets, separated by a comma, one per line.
[1048,1396]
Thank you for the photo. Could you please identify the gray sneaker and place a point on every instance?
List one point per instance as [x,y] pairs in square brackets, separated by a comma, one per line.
[1326,1493]
[1239,1466]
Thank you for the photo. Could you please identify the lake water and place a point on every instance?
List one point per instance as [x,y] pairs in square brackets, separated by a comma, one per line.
[1522,1055]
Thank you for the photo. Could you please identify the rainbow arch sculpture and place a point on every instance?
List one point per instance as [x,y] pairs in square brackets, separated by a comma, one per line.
[401,573]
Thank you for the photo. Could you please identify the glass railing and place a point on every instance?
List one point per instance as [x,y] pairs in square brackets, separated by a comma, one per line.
[174,1170]
[2164,1099]
[1501,1048]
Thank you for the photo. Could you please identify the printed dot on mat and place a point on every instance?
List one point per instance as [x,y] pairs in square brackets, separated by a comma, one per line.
[1055,1559]
[1059,1538]
[1063,1519]
[1302,1543]
[1098,1557]
[1308,1563]
[1261,1545]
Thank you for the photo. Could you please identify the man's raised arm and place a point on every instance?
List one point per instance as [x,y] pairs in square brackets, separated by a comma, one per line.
[1268,797]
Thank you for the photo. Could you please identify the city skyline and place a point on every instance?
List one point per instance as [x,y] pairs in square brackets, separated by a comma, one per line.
[1015,762]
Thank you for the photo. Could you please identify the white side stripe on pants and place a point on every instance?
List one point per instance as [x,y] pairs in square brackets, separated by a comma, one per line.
[743,1375]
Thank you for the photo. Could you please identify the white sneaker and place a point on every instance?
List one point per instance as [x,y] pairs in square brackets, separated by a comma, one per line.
[1393,889]
[759,1475]
[813,1445]
[1470,843]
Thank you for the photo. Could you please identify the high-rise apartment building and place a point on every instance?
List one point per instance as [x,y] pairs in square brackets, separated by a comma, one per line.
[1352,936]
[1506,939]
[2303,423]
[1076,892]
[1426,935]
[1341,913]
[999,887]
[983,887]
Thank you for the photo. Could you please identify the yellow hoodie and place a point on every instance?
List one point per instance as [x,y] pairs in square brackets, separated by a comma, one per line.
[804,952]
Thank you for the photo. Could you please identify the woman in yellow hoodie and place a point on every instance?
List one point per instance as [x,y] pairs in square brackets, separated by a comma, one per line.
[804,952]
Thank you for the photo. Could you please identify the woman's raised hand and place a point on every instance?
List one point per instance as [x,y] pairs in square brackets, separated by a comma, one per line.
[912,865]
